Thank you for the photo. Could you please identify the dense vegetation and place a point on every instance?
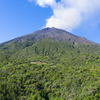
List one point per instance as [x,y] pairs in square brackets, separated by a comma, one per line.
[49,70]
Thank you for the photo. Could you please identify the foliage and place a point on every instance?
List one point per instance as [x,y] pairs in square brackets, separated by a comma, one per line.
[62,71]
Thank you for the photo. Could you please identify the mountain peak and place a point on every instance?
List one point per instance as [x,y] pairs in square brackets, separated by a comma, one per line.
[54,33]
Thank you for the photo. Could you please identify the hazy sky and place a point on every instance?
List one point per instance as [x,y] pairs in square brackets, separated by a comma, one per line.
[21,17]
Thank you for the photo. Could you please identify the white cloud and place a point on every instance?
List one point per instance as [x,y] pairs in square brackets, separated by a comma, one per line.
[64,20]
[69,14]
[43,3]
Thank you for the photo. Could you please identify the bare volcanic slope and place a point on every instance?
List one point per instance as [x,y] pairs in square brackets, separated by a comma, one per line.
[54,33]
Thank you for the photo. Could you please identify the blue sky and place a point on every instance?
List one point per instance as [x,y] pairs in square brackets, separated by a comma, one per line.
[21,17]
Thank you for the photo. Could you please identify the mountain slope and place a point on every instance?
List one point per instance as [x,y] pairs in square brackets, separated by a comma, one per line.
[46,42]
[54,33]
[47,65]
[50,70]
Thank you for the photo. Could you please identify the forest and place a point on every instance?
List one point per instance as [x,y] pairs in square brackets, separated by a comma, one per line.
[49,70]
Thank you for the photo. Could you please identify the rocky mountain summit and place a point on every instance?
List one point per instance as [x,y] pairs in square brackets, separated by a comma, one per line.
[54,33]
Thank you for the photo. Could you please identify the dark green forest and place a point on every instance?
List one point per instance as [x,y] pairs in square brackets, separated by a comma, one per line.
[49,70]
